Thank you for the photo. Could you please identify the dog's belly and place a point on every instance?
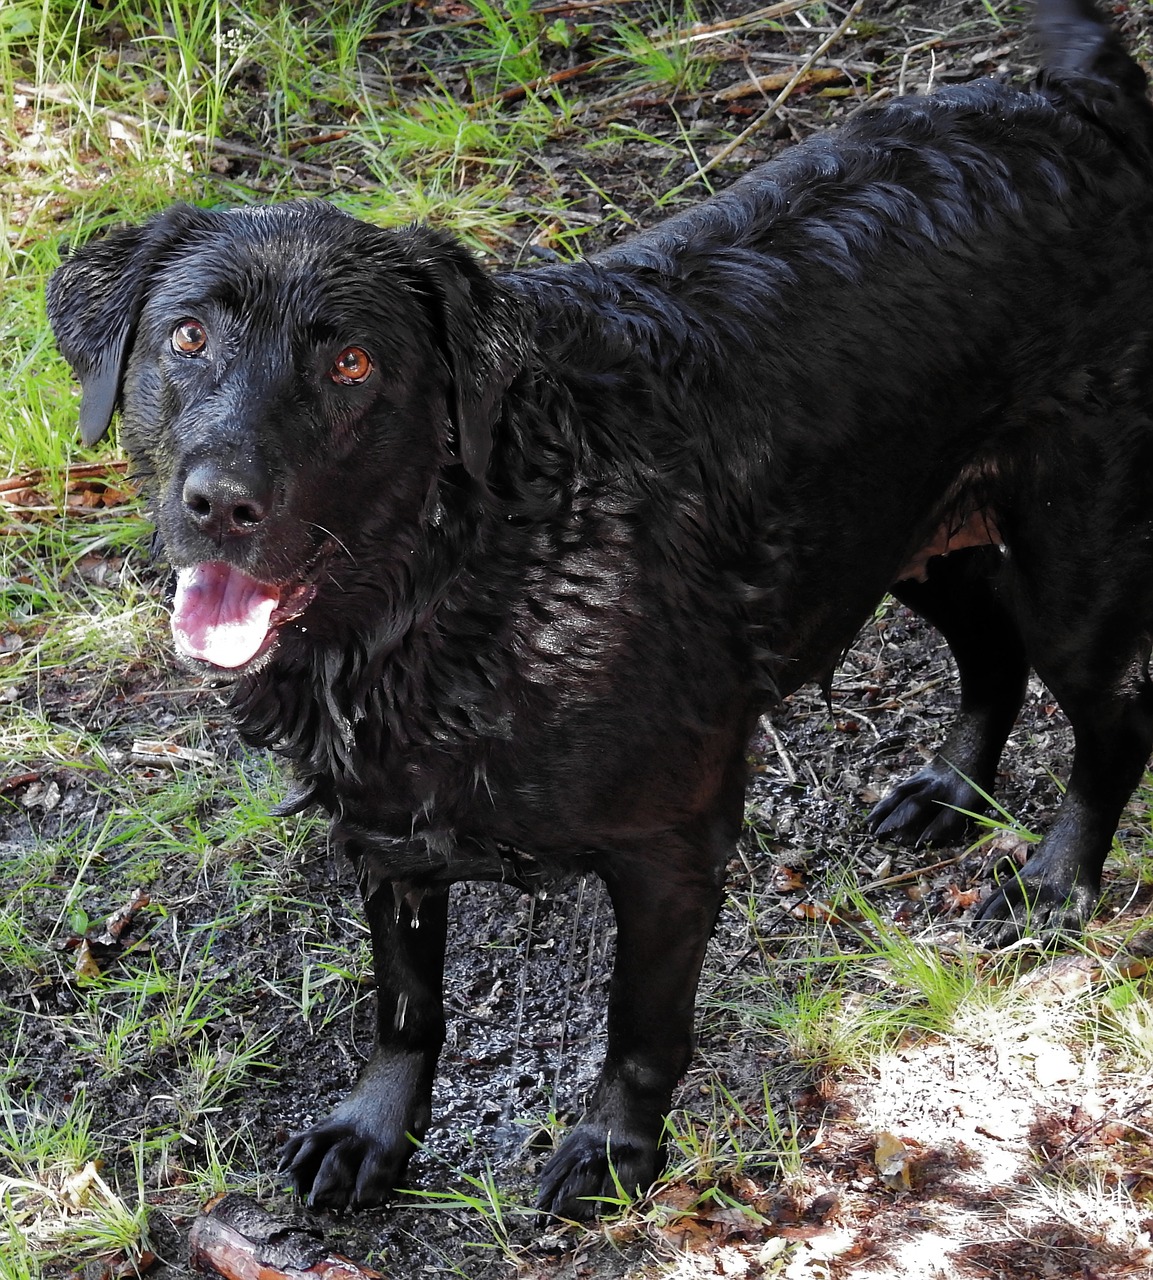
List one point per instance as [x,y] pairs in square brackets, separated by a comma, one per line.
[978,529]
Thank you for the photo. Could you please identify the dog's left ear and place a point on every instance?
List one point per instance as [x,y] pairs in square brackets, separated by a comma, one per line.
[94,299]
[483,330]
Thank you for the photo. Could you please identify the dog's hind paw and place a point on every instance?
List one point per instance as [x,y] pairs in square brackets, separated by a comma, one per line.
[340,1166]
[927,808]
[1032,907]
[595,1171]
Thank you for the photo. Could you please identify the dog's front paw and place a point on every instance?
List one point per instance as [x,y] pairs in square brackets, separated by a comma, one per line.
[925,809]
[356,1157]
[595,1166]
[346,1163]
[1036,906]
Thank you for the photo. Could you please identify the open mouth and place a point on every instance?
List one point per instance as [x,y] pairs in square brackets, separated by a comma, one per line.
[224,617]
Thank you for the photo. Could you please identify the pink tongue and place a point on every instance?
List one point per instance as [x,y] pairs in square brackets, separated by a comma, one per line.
[221,615]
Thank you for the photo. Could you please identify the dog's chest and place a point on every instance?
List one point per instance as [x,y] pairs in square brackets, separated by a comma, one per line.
[510,771]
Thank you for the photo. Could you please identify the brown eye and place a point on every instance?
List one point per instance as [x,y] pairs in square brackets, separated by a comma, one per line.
[352,365]
[189,337]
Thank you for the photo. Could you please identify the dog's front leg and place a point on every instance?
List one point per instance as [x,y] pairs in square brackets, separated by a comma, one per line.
[665,910]
[358,1154]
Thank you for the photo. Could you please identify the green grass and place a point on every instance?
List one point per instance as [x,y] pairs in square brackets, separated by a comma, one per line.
[54,1205]
[506,44]
[170,1009]
[666,59]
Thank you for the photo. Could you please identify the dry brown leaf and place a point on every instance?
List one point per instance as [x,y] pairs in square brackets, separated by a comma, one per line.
[954,899]
[120,920]
[120,1266]
[1010,846]
[786,880]
[892,1159]
[678,1196]
[88,489]
[99,945]
[815,911]
[84,964]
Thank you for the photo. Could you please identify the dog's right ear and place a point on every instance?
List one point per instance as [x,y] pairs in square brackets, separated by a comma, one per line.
[94,299]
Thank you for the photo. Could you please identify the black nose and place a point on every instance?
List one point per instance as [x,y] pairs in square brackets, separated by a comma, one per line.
[224,503]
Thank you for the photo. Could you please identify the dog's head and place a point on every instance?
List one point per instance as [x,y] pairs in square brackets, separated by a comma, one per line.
[288,378]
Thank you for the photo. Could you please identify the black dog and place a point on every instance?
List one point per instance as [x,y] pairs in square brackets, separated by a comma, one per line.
[509,565]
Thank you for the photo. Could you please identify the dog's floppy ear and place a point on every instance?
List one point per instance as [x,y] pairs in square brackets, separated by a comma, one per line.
[94,299]
[483,331]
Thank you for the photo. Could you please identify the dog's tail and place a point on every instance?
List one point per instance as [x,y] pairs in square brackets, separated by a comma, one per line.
[1075,38]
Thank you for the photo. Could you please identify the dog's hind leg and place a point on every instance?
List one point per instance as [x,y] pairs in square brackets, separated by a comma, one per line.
[1112,718]
[959,598]
[1080,548]
[357,1155]
[666,894]
[1106,692]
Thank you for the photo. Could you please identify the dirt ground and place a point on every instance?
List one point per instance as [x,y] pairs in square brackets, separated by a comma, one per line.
[527,978]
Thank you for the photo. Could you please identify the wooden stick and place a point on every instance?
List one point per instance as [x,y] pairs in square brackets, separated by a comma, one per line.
[77,471]
[777,80]
[914,874]
[239,1240]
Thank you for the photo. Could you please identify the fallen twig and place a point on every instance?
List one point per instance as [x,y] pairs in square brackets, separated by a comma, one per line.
[78,471]
[318,140]
[690,35]
[779,101]
[18,780]
[777,80]
[1090,1131]
[168,753]
[916,873]
[545,82]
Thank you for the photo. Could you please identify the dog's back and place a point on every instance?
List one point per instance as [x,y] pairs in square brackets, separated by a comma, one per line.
[819,317]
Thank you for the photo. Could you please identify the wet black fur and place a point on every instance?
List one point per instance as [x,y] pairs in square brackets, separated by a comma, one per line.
[584,522]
